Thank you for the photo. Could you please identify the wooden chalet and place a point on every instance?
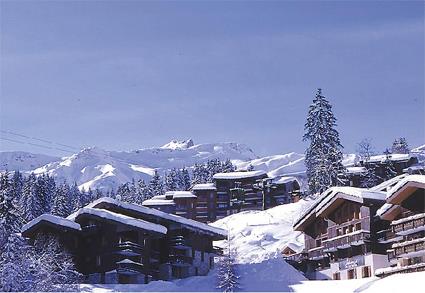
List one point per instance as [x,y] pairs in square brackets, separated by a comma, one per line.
[181,203]
[404,233]
[340,235]
[116,242]
[285,189]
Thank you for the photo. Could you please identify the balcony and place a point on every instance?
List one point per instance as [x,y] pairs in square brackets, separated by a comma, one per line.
[388,236]
[178,242]
[316,253]
[410,248]
[409,225]
[347,240]
[181,260]
[127,266]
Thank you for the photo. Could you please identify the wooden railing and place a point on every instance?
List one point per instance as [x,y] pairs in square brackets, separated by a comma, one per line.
[409,248]
[316,253]
[408,225]
[346,240]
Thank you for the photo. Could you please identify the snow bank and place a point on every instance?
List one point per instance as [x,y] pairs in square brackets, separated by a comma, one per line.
[262,235]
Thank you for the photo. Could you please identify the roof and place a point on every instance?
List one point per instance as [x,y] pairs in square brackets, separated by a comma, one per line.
[158,202]
[285,179]
[204,186]
[183,194]
[356,170]
[328,199]
[55,220]
[392,157]
[239,175]
[415,181]
[122,219]
[156,214]
[388,184]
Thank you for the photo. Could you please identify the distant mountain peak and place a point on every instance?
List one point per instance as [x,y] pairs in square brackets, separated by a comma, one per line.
[178,145]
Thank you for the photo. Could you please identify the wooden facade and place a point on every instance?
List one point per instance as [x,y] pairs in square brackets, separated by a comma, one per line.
[116,242]
[206,202]
[340,241]
[404,234]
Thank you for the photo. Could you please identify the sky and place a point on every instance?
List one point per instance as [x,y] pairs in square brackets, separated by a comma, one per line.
[125,75]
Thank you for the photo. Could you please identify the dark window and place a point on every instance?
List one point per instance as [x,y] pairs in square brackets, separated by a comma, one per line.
[365,272]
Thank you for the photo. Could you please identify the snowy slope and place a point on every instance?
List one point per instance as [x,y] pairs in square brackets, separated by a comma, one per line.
[262,235]
[23,161]
[97,168]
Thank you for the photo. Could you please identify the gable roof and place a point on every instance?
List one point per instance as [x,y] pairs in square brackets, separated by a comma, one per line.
[54,221]
[156,216]
[405,187]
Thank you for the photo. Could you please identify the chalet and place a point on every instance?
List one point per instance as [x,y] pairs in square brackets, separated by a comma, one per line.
[284,190]
[206,203]
[181,203]
[404,233]
[116,242]
[340,235]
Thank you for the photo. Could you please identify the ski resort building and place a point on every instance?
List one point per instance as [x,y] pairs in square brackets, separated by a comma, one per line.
[340,235]
[404,233]
[206,203]
[181,203]
[116,242]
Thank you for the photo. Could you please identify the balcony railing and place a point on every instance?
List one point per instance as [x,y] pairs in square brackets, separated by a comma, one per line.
[387,236]
[316,253]
[409,225]
[347,240]
[409,247]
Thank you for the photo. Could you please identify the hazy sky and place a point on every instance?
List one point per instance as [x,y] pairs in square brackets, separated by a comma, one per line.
[128,75]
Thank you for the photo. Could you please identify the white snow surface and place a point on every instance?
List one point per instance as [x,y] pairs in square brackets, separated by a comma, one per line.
[108,215]
[239,175]
[24,161]
[52,219]
[204,186]
[411,178]
[262,235]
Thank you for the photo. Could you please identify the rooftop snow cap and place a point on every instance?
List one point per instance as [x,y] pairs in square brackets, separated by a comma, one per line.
[405,187]
[331,198]
[52,221]
[204,186]
[154,215]
[240,175]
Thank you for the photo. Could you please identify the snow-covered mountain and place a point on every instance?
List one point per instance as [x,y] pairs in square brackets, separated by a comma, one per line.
[24,161]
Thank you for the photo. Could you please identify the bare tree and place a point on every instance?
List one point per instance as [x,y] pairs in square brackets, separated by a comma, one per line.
[365,149]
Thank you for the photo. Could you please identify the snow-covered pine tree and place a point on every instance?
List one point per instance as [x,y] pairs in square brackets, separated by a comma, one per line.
[62,203]
[227,166]
[46,189]
[156,186]
[323,156]
[171,180]
[369,178]
[31,203]
[400,146]
[142,192]
[183,179]
[16,268]
[389,170]
[228,279]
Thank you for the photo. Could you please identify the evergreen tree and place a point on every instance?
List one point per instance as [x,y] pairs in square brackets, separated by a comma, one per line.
[62,203]
[227,166]
[10,219]
[183,179]
[156,186]
[171,180]
[323,156]
[31,203]
[227,275]
[400,146]
[142,192]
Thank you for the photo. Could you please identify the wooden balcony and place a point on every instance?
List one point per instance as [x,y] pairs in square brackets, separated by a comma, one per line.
[388,236]
[409,225]
[316,253]
[347,240]
[181,260]
[409,248]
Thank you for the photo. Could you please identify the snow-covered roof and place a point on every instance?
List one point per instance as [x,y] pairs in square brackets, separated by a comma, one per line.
[204,186]
[122,219]
[324,201]
[356,170]
[392,157]
[414,168]
[382,210]
[388,184]
[239,175]
[191,224]
[183,194]
[59,221]
[158,202]
[285,179]
[418,179]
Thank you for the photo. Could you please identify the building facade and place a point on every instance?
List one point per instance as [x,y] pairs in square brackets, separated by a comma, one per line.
[206,202]
[116,242]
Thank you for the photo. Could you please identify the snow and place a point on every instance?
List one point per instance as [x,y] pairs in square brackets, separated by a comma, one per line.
[414,217]
[285,179]
[411,178]
[182,194]
[262,235]
[382,210]
[204,186]
[356,170]
[404,243]
[51,219]
[388,184]
[392,157]
[158,201]
[153,212]
[119,218]
[239,175]
[142,169]
[178,145]
[24,161]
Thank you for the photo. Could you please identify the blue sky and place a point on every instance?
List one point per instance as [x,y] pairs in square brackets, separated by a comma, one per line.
[127,75]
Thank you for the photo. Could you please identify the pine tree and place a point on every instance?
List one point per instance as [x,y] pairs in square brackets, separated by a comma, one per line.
[400,146]
[31,203]
[323,156]
[171,180]
[156,186]
[183,179]
[10,219]
[142,192]
[228,279]
[227,166]
[62,203]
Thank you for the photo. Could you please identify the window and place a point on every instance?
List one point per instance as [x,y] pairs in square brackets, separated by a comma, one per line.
[202,256]
[358,226]
[351,274]
[365,272]
[337,276]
